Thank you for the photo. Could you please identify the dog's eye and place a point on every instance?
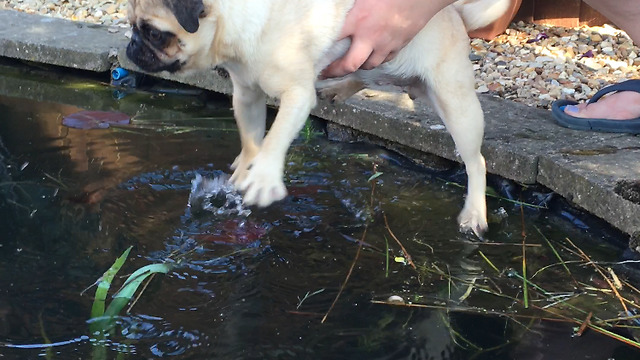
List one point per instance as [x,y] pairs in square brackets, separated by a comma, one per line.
[151,33]
[154,35]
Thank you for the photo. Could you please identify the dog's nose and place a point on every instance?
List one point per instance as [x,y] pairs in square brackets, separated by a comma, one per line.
[135,40]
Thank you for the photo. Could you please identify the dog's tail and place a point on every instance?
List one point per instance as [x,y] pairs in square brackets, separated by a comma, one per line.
[480,13]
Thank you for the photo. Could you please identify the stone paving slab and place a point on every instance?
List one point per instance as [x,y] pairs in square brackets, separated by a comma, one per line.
[58,42]
[521,143]
[593,181]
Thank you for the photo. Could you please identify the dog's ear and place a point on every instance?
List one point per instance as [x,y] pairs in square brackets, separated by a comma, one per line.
[188,12]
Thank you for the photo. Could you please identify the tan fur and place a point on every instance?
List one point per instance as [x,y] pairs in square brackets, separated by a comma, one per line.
[217,51]
[277,48]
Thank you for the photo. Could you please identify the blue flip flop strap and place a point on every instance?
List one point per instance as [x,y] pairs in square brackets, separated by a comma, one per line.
[628,85]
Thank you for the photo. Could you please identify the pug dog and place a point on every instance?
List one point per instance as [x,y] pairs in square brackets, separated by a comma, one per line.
[277,48]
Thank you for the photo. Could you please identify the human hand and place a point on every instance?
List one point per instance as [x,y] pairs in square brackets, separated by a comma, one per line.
[379,29]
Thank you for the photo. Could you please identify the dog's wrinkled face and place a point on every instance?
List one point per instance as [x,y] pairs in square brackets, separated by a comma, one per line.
[167,34]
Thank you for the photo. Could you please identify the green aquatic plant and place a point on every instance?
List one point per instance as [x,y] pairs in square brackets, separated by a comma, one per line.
[310,130]
[102,322]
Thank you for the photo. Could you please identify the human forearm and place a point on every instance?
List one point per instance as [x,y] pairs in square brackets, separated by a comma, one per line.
[379,29]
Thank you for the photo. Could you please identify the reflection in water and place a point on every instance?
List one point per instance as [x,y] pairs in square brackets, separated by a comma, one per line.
[72,200]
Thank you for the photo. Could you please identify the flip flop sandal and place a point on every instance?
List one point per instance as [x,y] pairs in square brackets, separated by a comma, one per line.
[631,126]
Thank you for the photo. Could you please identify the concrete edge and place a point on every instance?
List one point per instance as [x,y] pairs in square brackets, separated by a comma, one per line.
[584,192]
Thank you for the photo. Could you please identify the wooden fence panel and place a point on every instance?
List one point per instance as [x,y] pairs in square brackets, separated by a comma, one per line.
[569,13]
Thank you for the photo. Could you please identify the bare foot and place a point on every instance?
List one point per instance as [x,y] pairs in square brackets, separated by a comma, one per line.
[624,105]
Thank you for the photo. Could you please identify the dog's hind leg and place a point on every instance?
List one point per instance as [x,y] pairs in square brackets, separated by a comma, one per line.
[451,90]
[250,111]
[339,90]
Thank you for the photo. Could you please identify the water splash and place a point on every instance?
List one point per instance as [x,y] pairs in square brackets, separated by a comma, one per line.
[216,195]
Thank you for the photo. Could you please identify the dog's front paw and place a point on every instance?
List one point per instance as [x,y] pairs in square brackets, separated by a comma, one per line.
[262,184]
[241,166]
[471,219]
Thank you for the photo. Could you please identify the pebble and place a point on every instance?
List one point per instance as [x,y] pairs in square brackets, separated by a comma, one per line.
[572,63]
[482,89]
[395,299]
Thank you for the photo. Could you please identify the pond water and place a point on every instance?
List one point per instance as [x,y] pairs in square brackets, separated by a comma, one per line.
[256,283]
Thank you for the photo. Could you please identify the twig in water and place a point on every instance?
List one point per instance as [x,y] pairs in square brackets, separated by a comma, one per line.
[386,268]
[516,202]
[468,291]
[456,335]
[355,259]
[304,313]
[557,255]
[90,286]
[562,299]
[306,296]
[616,280]
[373,185]
[471,310]
[346,279]
[487,243]
[144,287]
[590,325]
[524,261]
[556,264]
[615,336]
[406,253]
[613,287]
[584,325]
[488,261]
[622,318]
[57,180]
[631,286]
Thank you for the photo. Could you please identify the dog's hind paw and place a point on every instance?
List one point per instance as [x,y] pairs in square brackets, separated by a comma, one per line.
[338,90]
[473,221]
[331,95]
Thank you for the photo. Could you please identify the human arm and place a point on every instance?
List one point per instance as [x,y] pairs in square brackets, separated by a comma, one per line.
[379,29]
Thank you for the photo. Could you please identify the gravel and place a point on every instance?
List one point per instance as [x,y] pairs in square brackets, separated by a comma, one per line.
[537,64]
[531,64]
[107,12]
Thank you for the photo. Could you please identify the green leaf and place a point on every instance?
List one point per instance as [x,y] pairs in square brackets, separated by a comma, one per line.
[375,176]
[124,295]
[104,283]
[101,319]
